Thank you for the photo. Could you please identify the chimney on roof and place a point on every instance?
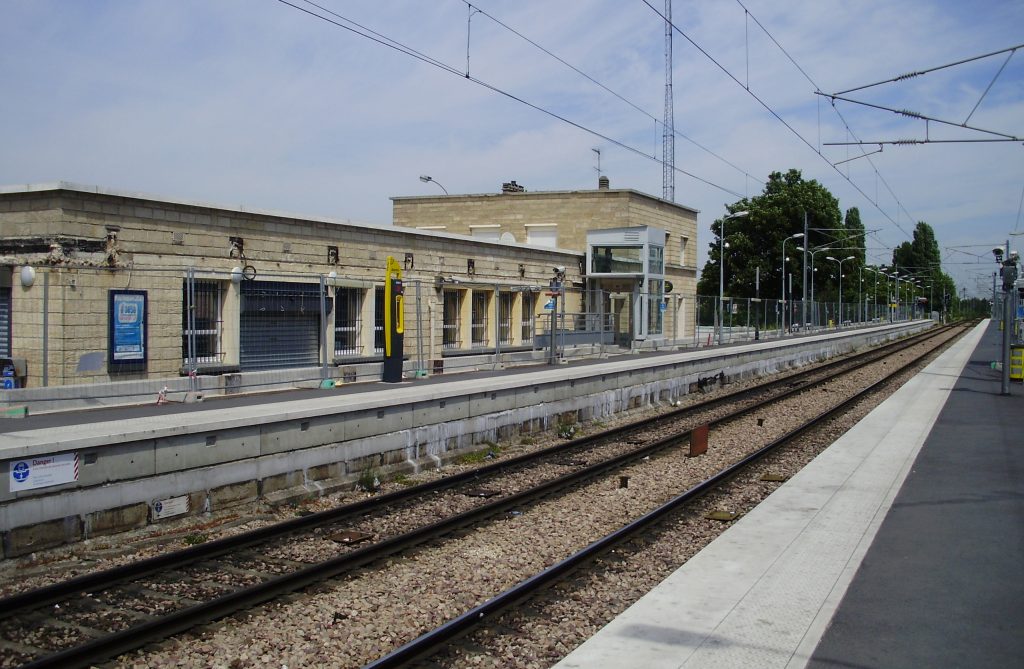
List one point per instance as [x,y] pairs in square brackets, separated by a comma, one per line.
[603,183]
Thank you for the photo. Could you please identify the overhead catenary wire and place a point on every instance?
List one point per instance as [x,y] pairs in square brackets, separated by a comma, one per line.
[608,90]
[878,175]
[779,118]
[910,75]
[383,40]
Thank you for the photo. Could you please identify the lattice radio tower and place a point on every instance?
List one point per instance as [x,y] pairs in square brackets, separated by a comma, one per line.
[668,138]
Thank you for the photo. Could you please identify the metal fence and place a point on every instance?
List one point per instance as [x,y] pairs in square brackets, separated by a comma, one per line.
[206,330]
[740,319]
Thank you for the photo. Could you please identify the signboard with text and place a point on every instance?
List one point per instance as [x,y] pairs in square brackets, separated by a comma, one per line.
[43,471]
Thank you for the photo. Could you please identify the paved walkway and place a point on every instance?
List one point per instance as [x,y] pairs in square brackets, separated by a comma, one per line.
[933,580]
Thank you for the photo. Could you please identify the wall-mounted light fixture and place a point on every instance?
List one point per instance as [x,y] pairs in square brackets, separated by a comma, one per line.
[236,275]
[28,276]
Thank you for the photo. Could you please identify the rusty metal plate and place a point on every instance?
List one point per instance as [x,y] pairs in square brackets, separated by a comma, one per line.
[722,515]
[774,478]
[482,492]
[350,537]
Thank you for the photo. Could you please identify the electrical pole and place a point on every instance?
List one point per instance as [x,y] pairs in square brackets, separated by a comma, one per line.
[668,138]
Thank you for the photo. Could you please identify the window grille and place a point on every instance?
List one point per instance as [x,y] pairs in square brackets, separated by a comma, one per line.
[5,320]
[505,318]
[450,326]
[479,327]
[348,305]
[206,325]
[528,317]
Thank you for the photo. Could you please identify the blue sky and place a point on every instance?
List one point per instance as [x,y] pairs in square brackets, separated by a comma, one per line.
[251,102]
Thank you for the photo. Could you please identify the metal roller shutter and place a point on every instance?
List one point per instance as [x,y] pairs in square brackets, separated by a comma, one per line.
[5,320]
[279,325]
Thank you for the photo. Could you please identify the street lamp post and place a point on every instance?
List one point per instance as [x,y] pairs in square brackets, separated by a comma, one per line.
[860,291]
[721,272]
[874,293]
[814,318]
[782,302]
[428,179]
[839,321]
[896,305]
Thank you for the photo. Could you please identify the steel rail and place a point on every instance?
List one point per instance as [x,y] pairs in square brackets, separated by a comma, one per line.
[427,644]
[108,646]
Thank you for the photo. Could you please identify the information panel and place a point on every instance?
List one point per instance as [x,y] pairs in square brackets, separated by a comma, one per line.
[127,332]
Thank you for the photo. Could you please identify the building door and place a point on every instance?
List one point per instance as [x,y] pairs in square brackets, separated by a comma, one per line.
[279,325]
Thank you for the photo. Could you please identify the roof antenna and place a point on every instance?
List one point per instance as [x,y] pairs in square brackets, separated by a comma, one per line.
[598,168]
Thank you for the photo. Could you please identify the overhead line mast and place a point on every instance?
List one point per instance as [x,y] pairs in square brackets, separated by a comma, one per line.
[668,137]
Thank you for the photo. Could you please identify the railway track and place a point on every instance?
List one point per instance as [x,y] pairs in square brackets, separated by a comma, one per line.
[101,615]
[448,639]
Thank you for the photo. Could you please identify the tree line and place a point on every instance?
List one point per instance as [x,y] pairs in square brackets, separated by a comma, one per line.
[755,228]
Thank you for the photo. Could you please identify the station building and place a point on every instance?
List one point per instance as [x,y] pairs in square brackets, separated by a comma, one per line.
[100,286]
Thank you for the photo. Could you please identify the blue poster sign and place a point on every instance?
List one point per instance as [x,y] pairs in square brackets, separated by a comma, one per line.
[127,333]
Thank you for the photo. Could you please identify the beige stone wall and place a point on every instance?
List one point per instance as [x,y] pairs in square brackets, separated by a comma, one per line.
[157,242]
[572,213]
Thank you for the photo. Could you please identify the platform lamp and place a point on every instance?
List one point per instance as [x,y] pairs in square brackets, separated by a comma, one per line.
[721,272]
[798,235]
[814,318]
[839,321]
[874,294]
[428,179]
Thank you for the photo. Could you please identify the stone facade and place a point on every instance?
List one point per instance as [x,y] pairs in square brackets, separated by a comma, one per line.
[81,243]
[562,219]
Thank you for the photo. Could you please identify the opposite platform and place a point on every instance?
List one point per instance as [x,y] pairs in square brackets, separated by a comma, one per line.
[763,593]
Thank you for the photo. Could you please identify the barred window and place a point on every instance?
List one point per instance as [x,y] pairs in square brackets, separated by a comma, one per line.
[450,326]
[480,318]
[528,317]
[201,323]
[348,305]
[505,301]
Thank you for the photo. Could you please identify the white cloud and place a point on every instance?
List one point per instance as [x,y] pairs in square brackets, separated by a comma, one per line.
[258,104]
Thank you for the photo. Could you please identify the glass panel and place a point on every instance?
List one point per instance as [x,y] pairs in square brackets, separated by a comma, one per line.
[655,316]
[656,260]
[616,260]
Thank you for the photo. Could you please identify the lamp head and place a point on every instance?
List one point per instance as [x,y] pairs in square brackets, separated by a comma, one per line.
[830,258]
[798,235]
[738,214]
[848,258]
[425,179]
[998,253]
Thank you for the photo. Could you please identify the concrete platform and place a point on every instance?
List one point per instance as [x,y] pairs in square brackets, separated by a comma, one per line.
[852,563]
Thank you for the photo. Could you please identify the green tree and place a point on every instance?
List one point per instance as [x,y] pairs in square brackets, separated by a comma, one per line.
[920,259]
[756,240]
